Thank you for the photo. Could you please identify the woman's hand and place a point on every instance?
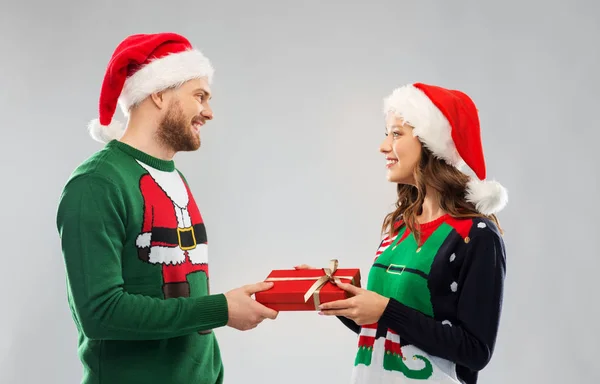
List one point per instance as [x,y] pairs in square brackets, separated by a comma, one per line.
[365,307]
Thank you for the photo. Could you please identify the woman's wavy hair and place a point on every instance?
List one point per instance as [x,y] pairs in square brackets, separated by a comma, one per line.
[438,176]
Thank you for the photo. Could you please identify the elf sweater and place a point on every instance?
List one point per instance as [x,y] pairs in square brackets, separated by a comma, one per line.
[135,251]
[442,319]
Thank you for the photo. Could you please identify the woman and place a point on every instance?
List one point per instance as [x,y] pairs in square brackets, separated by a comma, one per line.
[431,309]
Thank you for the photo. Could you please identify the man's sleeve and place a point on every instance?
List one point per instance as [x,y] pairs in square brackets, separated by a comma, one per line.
[91,221]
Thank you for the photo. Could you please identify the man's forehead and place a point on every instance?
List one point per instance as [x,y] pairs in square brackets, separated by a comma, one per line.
[201,84]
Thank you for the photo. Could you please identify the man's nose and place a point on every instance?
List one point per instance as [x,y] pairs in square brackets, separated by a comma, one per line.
[207,113]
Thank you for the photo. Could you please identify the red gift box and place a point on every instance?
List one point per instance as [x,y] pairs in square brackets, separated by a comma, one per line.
[306,289]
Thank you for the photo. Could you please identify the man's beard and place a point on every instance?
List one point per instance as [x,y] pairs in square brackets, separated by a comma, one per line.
[175,132]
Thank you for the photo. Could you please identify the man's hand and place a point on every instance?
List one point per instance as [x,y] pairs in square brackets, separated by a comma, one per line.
[303,266]
[244,312]
[365,307]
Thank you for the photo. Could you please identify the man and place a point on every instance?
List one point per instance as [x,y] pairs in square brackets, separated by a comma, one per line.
[132,236]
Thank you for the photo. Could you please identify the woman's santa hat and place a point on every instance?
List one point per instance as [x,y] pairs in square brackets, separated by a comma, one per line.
[447,123]
[141,65]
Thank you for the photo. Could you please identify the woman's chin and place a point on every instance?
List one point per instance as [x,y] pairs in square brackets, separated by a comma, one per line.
[396,179]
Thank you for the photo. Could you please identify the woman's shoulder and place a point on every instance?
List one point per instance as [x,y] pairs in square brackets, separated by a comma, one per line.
[482,236]
[485,228]
[475,226]
[478,234]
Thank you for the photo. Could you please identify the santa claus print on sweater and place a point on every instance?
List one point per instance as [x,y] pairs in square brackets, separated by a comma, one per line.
[173,232]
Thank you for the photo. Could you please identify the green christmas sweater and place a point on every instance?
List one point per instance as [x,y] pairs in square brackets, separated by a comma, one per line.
[135,251]
[445,293]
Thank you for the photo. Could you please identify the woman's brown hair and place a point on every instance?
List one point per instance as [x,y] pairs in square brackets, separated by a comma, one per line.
[445,181]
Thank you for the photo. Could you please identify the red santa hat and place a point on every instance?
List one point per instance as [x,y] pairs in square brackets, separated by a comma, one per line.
[141,65]
[447,123]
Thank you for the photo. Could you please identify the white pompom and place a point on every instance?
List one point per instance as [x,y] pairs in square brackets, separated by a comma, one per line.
[105,133]
[489,197]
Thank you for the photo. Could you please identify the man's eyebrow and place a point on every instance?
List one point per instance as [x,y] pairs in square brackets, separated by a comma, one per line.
[205,91]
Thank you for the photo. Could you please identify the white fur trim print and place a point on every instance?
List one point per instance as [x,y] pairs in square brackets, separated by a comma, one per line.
[430,125]
[163,73]
[488,196]
[199,255]
[105,133]
[183,217]
[172,184]
[166,255]
[143,240]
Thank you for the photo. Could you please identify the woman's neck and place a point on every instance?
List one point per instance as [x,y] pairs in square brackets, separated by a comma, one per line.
[431,209]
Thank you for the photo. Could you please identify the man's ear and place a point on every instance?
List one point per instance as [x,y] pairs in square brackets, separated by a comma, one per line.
[159,99]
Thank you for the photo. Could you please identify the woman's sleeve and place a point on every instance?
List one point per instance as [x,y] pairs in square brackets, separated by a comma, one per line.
[350,324]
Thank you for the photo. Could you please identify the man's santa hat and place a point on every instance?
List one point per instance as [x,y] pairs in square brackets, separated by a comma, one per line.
[141,65]
[447,123]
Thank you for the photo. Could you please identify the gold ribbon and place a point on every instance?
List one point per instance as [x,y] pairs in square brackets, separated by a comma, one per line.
[318,284]
[316,287]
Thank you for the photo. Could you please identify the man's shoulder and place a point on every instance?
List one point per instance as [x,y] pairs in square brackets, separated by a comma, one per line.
[105,165]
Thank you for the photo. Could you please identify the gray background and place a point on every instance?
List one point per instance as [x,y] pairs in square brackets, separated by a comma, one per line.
[290,173]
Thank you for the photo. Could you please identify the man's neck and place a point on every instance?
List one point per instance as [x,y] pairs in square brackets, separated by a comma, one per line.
[148,145]
[140,134]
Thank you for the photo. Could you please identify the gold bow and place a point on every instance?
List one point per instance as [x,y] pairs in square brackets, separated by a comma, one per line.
[316,287]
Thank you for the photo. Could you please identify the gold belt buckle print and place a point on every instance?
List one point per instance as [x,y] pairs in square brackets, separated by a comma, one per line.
[185,230]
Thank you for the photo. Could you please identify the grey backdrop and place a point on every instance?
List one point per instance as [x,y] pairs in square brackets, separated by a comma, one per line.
[289,170]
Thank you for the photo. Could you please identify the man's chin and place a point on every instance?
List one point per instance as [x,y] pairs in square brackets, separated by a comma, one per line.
[189,146]
[197,144]
[192,146]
